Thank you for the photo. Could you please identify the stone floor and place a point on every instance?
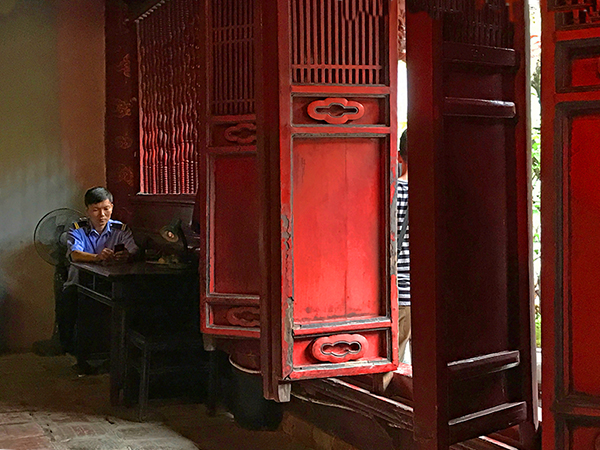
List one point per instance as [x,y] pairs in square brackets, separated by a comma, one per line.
[44,405]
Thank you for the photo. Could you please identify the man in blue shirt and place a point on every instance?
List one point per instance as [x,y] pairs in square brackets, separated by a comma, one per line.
[96,238]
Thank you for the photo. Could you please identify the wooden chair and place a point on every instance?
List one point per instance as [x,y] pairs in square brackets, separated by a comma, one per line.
[179,353]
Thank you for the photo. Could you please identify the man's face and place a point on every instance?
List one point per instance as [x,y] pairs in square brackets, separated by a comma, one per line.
[99,214]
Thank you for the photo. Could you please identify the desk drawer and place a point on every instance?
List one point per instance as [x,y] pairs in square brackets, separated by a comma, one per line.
[98,284]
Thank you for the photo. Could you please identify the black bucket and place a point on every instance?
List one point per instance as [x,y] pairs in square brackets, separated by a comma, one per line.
[250,409]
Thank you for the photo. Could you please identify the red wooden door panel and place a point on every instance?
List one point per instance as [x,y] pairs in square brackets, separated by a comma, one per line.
[470,236]
[570,214]
[327,150]
[228,191]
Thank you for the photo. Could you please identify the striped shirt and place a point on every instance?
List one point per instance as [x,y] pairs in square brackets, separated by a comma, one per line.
[403,263]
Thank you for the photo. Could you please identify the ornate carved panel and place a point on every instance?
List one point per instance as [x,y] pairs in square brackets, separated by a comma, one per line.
[246,316]
[312,110]
[339,348]
[122,174]
[575,13]
[338,42]
[229,195]
[336,110]
[232,29]
[242,133]
[470,22]
[170,80]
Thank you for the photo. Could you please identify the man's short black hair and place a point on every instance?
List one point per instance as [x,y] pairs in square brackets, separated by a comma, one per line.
[403,148]
[97,195]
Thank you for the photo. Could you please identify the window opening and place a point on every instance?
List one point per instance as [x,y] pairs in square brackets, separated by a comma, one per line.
[535,24]
[170,81]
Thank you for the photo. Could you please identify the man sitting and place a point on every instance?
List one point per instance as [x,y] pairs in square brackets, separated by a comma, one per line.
[96,238]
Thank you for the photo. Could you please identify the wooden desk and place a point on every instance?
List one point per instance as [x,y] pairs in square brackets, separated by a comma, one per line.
[128,290]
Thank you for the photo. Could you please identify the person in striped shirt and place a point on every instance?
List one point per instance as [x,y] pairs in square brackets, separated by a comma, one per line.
[403,261]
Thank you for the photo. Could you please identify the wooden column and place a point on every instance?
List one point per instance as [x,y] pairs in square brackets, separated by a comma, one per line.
[122,108]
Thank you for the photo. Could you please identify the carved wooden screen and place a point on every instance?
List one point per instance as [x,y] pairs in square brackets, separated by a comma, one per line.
[228,193]
[338,42]
[470,233]
[327,130]
[198,135]
[570,216]
[170,89]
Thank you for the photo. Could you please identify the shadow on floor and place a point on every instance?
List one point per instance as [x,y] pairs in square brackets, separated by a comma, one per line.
[45,405]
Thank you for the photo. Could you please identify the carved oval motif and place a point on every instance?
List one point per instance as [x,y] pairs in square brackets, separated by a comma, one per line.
[244,316]
[335,110]
[242,133]
[339,347]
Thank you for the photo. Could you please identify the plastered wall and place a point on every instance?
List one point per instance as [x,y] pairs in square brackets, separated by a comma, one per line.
[51,144]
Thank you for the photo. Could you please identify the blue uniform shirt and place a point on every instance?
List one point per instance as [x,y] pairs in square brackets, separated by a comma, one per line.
[84,238]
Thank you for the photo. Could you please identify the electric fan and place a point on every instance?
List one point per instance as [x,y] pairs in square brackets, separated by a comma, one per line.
[50,235]
[50,240]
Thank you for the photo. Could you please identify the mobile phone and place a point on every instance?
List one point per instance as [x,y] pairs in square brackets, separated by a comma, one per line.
[119,248]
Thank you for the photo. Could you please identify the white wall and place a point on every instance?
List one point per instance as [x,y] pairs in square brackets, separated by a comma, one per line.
[51,143]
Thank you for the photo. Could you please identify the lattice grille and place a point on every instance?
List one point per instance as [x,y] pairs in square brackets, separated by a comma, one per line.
[233,57]
[484,22]
[339,41]
[170,80]
[576,13]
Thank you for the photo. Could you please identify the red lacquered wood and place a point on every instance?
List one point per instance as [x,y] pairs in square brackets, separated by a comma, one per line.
[168,87]
[338,228]
[551,226]
[328,226]
[229,192]
[374,111]
[339,348]
[470,260]
[122,141]
[336,42]
[233,239]
[424,55]
[570,123]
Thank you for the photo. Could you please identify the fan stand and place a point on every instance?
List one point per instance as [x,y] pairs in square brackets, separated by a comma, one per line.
[52,346]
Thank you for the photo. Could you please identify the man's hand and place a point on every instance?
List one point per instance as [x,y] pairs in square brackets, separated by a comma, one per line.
[122,256]
[105,255]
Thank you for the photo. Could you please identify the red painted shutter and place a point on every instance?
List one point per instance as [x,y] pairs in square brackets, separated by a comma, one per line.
[470,235]
[327,149]
[570,214]
[228,194]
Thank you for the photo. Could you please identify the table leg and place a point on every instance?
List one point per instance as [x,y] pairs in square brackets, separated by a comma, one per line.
[83,338]
[117,353]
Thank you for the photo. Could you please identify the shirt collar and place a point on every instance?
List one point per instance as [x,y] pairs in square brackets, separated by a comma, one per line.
[107,229]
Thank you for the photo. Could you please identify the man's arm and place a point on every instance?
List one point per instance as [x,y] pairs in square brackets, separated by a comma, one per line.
[128,241]
[80,256]
[76,249]
[126,238]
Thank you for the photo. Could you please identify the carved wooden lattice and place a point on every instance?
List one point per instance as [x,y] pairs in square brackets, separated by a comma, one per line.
[170,79]
[338,41]
[576,13]
[233,57]
[483,22]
